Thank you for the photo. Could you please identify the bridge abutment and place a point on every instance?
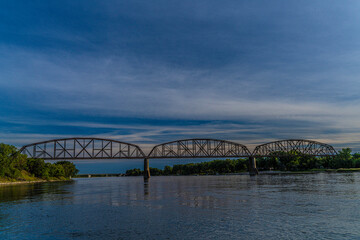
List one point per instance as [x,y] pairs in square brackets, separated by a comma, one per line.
[252,166]
[146,169]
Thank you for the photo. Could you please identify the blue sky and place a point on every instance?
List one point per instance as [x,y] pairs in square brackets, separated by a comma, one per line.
[147,72]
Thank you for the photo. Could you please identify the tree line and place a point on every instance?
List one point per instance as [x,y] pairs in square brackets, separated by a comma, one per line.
[203,168]
[17,166]
[295,161]
[291,161]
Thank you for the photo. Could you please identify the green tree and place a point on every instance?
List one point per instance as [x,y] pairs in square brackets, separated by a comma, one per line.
[14,165]
[37,167]
[56,170]
[343,159]
[167,170]
[356,160]
[134,172]
[156,172]
[69,168]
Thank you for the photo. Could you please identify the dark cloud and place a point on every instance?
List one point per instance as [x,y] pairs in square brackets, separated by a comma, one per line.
[186,34]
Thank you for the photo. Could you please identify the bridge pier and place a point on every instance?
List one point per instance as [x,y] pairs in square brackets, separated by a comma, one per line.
[146,169]
[252,167]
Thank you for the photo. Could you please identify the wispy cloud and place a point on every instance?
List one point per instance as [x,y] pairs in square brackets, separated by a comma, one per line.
[250,134]
[112,87]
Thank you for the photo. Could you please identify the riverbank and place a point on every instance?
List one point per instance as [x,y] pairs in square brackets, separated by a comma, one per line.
[5,183]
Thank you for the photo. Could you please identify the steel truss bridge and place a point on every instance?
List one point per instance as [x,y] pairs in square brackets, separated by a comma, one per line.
[82,148]
[99,148]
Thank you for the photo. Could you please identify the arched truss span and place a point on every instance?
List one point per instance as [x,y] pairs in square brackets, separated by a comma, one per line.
[301,146]
[82,148]
[199,148]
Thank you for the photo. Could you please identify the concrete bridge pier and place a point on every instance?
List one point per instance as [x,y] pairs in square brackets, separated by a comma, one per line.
[146,169]
[252,167]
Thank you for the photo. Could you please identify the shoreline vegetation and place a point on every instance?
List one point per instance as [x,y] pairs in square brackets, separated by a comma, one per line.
[17,168]
[290,163]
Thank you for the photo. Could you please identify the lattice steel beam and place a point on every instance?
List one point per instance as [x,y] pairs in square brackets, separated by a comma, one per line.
[283,147]
[82,148]
[199,148]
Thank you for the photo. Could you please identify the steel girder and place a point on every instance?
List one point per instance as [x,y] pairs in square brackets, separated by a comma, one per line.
[301,146]
[199,148]
[82,148]
[99,148]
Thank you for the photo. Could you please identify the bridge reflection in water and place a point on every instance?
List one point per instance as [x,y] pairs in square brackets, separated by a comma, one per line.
[99,148]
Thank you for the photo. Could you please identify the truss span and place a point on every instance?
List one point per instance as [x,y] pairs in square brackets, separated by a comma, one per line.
[82,148]
[283,147]
[199,148]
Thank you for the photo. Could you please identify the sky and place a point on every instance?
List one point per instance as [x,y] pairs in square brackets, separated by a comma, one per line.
[148,72]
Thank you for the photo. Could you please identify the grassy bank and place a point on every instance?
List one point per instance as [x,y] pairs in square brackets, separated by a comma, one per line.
[26,177]
[32,181]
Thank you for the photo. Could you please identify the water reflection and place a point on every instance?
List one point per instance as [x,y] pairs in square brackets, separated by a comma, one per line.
[34,192]
[193,191]
[146,189]
[288,206]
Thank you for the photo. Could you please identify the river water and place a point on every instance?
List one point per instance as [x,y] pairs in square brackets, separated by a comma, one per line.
[303,206]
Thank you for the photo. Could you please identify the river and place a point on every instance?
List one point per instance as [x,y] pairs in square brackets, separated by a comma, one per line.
[301,206]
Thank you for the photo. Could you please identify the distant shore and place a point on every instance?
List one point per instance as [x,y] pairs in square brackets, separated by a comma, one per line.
[100,175]
[312,171]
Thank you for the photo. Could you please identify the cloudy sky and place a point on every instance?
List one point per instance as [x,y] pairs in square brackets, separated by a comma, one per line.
[147,72]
